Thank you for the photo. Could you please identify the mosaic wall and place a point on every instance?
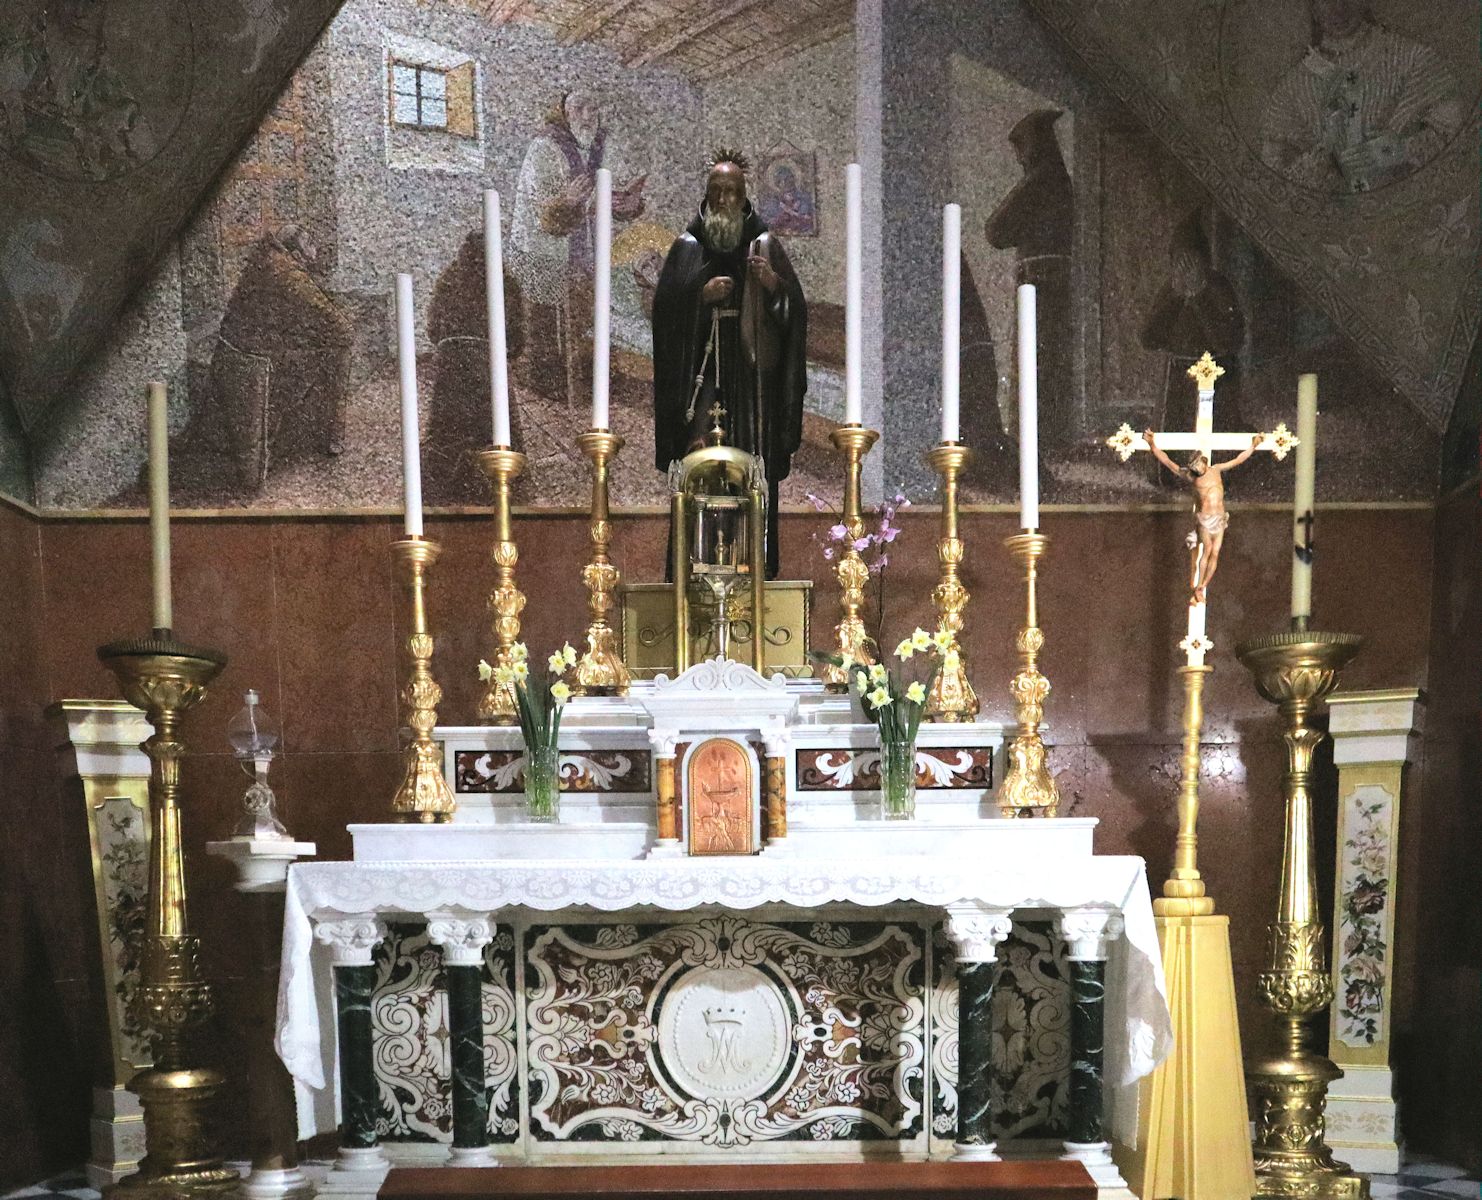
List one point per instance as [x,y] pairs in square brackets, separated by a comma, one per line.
[269,314]
[722,1031]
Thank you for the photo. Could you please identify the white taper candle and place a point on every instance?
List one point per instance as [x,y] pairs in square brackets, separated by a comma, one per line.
[602,298]
[951,320]
[411,438]
[159,503]
[1306,499]
[494,295]
[1028,411]
[853,297]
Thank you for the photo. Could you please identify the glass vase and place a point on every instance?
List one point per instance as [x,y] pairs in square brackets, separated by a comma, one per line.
[542,783]
[897,779]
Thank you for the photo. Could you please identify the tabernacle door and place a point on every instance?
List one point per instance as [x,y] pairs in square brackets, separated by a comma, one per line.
[722,798]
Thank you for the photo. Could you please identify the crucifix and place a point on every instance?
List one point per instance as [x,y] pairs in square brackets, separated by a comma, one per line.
[1206,478]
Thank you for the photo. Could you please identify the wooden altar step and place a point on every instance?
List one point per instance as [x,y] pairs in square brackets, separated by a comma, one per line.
[1018,1180]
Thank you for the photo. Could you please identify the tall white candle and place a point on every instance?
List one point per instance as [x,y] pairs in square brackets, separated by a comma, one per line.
[159,503]
[1028,412]
[853,297]
[1306,501]
[411,438]
[951,319]
[494,295]
[602,293]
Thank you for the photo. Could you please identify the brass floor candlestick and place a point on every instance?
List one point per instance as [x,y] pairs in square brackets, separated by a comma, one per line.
[1183,890]
[1027,783]
[1295,671]
[854,442]
[506,602]
[600,671]
[952,697]
[424,794]
[184,1157]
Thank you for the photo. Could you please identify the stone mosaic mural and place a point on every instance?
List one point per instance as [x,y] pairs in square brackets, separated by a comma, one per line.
[269,313]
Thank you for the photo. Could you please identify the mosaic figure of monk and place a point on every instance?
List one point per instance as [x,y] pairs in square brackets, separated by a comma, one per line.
[279,313]
[1364,107]
[550,242]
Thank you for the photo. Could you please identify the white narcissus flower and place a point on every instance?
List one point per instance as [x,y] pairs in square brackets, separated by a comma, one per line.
[520,671]
[861,682]
[905,649]
[878,674]
[504,674]
[556,663]
[916,693]
[486,672]
[921,640]
[879,698]
[568,652]
[846,662]
[519,652]
[942,639]
[560,692]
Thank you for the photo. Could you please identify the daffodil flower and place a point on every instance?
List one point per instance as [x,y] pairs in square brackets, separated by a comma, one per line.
[519,652]
[560,692]
[568,652]
[916,693]
[556,663]
[846,662]
[942,639]
[879,698]
[486,672]
[905,649]
[520,671]
[504,674]
[878,673]
[921,640]
[861,682]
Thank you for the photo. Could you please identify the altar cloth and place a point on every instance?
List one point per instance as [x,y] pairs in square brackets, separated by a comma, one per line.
[1139,1031]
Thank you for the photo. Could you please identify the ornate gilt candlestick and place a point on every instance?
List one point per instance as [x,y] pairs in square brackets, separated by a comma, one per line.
[600,670]
[1294,671]
[503,466]
[164,678]
[854,442]
[424,794]
[952,697]
[1027,783]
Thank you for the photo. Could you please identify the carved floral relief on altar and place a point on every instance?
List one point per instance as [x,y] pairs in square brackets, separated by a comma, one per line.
[503,771]
[937,768]
[1031,1035]
[726,1031]
[409,1036]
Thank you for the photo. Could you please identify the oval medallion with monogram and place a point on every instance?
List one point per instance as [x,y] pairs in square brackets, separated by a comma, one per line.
[724,1033]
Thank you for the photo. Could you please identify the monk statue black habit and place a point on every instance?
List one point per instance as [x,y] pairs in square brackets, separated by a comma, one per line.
[730,326]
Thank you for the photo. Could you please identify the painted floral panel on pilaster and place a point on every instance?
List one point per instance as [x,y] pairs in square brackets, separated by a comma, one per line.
[1363,917]
[409,1022]
[1031,1036]
[724,1031]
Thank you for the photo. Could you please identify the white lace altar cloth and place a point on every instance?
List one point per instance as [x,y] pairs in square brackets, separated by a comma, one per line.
[1139,1033]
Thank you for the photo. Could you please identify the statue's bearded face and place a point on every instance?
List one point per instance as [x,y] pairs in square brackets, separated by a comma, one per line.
[725,198]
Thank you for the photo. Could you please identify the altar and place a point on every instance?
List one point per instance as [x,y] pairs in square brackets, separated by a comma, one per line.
[521,992]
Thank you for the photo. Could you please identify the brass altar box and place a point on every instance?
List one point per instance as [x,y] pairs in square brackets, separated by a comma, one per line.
[648,629]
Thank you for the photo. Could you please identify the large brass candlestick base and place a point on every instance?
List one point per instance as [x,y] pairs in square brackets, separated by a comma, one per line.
[506,602]
[850,639]
[424,794]
[1295,671]
[600,671]
[951,697]
[164,678]
[1027,783]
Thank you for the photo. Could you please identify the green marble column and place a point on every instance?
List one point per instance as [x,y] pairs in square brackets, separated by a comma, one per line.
[466,1034]
[1087,1030]
[358,1106]
[974,1051]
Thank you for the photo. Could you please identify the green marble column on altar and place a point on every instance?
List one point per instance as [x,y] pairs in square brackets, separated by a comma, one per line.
[463,940]
[1088,934]
[975,932]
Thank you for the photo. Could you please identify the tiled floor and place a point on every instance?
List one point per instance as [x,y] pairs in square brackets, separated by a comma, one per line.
[1421,1179]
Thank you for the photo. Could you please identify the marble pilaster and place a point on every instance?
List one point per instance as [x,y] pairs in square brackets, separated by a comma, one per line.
[976,931]
[352,941]
[463,940]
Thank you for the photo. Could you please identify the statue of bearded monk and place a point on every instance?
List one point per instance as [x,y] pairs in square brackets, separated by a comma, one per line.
[730,327]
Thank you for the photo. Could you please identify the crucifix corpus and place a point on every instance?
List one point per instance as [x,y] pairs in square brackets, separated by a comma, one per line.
[1206,478]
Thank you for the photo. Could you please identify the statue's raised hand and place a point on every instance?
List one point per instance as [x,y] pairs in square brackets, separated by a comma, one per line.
[761,270]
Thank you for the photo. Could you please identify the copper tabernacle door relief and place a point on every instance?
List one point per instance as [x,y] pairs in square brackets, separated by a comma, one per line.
[719,795]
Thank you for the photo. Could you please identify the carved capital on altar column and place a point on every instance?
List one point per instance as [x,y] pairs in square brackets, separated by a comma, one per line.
[976,931]
[776,739]
[1089,932]
[462,938]
[663,742]
[351,940]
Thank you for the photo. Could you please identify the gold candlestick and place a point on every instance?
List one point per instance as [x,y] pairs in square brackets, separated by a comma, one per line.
[854,442]
[164,678]
[952,697]
[1027,783]
[503,466]
[1183,890]
[1294,671]
[424,794]
[600,670]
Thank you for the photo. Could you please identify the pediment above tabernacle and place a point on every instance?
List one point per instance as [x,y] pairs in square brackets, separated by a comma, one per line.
[751,699]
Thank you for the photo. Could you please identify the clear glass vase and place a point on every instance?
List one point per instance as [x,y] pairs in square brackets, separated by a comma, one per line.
[897,779]
[542,783]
